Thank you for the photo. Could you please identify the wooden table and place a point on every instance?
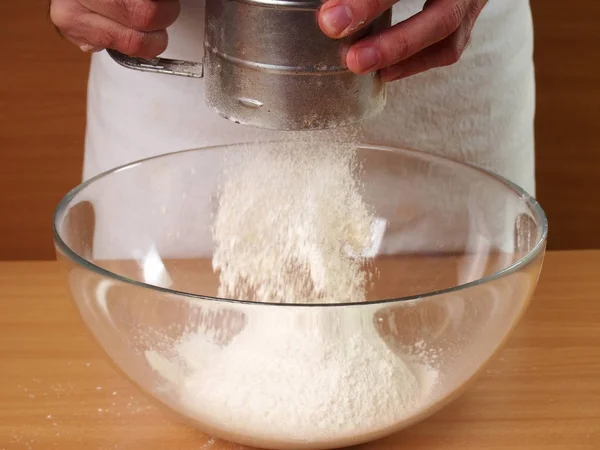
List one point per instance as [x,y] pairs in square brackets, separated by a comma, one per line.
[58,392]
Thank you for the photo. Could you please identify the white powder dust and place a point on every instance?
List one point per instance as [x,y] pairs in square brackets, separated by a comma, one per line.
[294,377]
[291,225]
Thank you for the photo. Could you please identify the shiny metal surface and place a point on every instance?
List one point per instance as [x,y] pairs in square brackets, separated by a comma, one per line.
[268,64]
[160,65]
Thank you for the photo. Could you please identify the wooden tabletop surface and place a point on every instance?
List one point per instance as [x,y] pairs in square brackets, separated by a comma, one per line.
[57,391]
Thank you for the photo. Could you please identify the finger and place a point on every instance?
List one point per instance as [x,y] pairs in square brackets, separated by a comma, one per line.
[63,15]
[141,15]
[444,53]
[474,11]
[339,18]
[97,32]
[435,23]
[83,45]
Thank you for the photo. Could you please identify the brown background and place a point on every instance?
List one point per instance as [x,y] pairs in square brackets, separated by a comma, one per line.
[42,118]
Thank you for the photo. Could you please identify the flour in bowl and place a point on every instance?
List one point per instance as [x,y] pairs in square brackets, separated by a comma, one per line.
[291,227]
[292,376]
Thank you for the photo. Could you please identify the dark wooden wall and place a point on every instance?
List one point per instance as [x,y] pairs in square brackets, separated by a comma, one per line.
[42,119]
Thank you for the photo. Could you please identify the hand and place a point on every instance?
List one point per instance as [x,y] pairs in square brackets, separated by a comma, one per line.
[133,27]
[435,37]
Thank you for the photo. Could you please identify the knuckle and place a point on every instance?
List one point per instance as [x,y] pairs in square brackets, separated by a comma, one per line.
[132,43]
[453,17]
[160,42]
[398,49]
[144,14]
[476,8]
[103,39]
[455,46]
[62,17]
[451,55]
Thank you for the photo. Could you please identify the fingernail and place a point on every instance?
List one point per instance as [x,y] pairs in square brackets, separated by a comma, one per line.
[87,48]
[336,20]
[367,58]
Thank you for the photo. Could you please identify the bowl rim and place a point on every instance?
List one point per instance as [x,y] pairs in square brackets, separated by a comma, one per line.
[523,261]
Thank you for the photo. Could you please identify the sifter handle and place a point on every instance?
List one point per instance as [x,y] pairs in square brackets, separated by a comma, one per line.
[159,65]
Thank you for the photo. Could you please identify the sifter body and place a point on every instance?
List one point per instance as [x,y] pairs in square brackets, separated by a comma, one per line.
[268,64]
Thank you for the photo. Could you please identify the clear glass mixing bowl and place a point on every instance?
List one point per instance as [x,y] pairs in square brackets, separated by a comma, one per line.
[457,263]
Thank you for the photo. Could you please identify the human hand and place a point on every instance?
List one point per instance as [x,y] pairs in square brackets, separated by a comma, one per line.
[133,27]
[435,37]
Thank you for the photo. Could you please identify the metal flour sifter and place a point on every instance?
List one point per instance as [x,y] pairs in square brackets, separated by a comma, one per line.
[268,64]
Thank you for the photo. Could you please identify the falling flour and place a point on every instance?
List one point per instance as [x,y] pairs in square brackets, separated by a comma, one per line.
[291,227]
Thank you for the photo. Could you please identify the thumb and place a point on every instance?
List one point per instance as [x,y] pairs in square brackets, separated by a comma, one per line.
[339,18]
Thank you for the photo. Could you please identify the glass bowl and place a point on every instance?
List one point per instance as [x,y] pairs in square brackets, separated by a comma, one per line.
[458,258]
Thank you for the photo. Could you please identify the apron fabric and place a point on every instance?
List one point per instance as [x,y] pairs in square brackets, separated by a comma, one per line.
[480,110]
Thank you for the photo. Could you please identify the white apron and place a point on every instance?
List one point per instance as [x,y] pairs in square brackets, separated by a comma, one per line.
[479,110]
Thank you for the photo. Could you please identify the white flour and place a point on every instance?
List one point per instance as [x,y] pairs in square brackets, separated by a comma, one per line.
[290,217]
[290,228]
[297,376]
